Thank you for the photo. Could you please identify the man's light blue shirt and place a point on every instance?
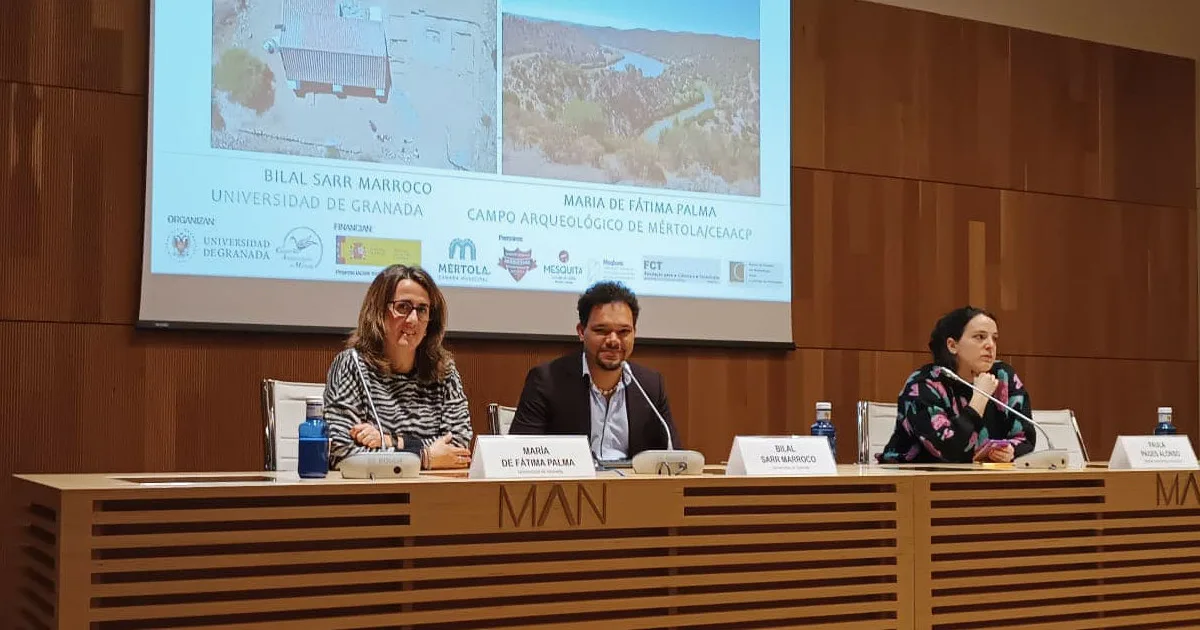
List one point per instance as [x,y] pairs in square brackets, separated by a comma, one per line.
[609,437]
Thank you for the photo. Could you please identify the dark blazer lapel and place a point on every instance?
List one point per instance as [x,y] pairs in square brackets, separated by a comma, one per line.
[639,413]
[575,399]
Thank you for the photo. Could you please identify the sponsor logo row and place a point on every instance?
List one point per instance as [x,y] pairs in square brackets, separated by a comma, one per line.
[302,247]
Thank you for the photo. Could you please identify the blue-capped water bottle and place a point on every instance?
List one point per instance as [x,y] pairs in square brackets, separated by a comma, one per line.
[824,426]
[313,456]
[1165,426]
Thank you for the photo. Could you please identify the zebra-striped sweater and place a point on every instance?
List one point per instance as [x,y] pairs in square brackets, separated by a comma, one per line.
[416,413]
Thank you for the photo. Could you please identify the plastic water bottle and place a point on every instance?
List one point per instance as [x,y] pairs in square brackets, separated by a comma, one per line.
[313,459]
[1165,426]
[824,426]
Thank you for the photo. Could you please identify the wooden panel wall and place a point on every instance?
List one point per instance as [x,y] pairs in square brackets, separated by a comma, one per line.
[936,161]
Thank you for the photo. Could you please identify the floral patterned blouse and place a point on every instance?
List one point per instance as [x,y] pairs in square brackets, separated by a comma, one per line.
[934,422]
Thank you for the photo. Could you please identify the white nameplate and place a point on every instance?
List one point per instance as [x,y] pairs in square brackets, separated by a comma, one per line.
[1149,452]
[780,456]
[531,457]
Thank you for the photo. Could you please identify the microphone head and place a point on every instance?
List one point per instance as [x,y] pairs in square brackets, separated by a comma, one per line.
[625,367]
[948,372]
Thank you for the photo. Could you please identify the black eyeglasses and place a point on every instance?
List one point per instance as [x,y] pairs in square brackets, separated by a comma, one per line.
[403,308]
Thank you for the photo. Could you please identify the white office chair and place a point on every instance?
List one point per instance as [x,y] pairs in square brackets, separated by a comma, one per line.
[876,421]
[1064,432]
[283,412]
[500,418]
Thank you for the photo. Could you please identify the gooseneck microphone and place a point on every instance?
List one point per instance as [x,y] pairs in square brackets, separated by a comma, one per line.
[666,427]
[1051,458]
[380,464]
[658,461]
[362,376]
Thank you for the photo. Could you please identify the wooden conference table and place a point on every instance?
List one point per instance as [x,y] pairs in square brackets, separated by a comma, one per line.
[926,547]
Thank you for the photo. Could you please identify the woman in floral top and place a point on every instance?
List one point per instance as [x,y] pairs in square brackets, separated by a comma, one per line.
[939,419]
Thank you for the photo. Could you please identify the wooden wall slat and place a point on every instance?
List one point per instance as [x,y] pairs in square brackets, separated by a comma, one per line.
[1153,104]
[1056,113]
[72,181]
[935,109]
[96,45]
[897,92]
[878,259]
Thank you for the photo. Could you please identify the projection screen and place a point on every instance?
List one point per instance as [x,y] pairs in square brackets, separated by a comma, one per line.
[519,150]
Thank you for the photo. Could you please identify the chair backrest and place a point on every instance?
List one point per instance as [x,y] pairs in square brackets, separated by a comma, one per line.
[283,412]
[1064,432]
[500,418]
[876,421]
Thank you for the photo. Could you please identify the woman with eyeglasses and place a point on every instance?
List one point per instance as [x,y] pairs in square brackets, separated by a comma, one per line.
[395,387]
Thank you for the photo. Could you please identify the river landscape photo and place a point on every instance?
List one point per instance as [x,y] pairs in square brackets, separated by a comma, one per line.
[618,93]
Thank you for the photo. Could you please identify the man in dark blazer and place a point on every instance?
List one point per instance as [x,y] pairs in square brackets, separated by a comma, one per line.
[588,393]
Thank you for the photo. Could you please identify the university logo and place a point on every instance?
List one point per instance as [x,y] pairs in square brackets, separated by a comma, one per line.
[180,243]
[518,263]
[462,249]
[302,248]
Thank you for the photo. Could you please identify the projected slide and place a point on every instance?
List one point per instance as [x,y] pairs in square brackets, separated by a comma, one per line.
[505,145]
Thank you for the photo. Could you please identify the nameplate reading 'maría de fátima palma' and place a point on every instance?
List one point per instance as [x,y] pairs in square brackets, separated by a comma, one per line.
[532,457]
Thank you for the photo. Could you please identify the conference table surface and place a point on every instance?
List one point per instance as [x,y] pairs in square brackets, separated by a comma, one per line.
[879,547]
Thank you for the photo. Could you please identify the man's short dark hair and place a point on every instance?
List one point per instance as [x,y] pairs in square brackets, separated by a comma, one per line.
[603,293]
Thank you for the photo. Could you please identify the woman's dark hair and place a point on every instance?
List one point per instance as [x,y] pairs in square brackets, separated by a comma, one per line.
[370,339]
[951,326]
[603,293]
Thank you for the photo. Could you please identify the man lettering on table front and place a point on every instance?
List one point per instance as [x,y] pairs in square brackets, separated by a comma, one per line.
[589,393]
